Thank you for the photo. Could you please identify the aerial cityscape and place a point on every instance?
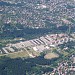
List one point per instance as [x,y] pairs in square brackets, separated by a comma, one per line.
[37,37]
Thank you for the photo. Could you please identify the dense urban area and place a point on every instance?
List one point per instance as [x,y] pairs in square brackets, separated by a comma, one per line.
[37,37]
[37,13]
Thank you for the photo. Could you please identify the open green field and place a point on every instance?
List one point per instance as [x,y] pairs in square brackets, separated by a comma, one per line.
[17,54]
[21,54]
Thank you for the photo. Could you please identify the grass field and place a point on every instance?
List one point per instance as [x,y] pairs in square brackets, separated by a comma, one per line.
[17,54]
[51,55]
[21,54]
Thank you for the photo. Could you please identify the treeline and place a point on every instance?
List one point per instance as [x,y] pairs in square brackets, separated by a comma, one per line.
[14,31]
[22,66]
